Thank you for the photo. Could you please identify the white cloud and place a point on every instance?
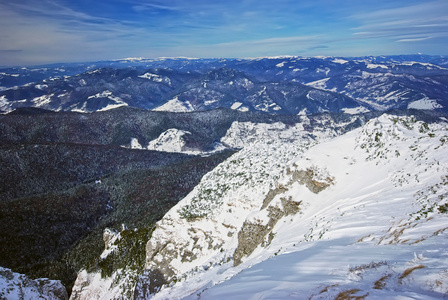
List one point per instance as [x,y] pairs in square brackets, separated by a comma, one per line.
[422,21]
[414,39]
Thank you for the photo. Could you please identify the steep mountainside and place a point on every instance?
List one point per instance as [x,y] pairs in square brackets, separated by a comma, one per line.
[67,176]
[377,192]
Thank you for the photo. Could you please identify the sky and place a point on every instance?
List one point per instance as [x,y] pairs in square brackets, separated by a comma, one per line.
[36,32]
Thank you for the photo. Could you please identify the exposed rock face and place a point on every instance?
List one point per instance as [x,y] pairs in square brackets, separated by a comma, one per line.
[19,286]
[255,233]
[108,235]
[311,179]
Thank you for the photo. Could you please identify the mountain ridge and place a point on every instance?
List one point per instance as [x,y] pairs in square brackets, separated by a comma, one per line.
[265,84]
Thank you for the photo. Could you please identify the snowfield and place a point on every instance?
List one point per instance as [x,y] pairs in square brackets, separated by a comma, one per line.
[175,105]
[363,214]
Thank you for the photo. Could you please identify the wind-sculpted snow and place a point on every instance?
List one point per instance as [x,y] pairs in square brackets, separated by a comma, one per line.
[383,185]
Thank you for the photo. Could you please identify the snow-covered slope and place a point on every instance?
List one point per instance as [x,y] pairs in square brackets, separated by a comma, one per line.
[174,105]
[379,229]
[362,213]
[169,141]
[377,193]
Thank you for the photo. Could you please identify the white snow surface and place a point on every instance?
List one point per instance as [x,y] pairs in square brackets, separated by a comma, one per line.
[319,84]
[4,104]
[377,228]
[135,144]
[116,102]
[340,61]
[425,103]
[175,105]
[156,78]
[93,286]
[236,105]
[172,140]
[240,134]
[374,66]
[169,141]
[42,101]
[355,110]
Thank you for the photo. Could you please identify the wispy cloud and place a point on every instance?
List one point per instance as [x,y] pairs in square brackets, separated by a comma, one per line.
[145,7]
[295,45]
[409,40]
[51,32]
[422,21]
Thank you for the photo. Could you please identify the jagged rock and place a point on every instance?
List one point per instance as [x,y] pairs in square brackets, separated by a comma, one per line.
[21,287]
[254,234]
[311,179]
[108,235]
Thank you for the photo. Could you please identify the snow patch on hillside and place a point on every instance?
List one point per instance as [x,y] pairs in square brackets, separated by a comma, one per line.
[171,140]
[375,66]
[425,103]
[156,78]
[4,104]
[236,105]
[319,84]
[113,102]
[240,134]
[355,110]
[239,106]
[42,100]
[135,144]
[175,105]
[340,61]
[41,86]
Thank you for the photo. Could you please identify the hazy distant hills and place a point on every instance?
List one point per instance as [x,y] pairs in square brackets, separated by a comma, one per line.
[281,85]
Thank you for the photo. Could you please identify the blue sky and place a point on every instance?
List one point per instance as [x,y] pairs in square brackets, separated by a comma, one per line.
[44,31]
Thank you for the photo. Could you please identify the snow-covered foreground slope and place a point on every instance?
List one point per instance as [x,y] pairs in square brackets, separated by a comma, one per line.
[299,217]
[364,213]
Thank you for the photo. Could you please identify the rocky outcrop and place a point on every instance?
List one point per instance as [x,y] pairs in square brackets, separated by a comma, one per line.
[313,179]
[21,287]
[254,234]
[259,231]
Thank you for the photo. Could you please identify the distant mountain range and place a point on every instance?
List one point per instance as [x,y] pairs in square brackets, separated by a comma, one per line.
[278,85]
